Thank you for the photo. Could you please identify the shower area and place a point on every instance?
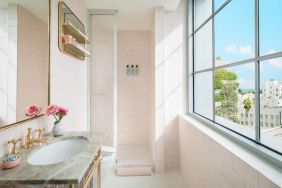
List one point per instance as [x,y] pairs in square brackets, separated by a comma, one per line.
[121,92]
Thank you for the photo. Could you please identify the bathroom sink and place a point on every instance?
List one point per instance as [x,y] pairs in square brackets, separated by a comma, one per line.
[58,151]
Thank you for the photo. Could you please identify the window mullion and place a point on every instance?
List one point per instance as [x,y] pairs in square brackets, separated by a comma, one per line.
[193,52]
[213,62]
[257,72]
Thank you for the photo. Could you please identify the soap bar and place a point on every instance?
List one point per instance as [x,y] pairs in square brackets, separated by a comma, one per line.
[10,158]
[10,161]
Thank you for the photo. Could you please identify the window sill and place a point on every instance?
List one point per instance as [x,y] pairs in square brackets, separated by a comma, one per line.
[262,160]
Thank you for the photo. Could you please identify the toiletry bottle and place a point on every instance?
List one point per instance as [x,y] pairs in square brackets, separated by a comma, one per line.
[137,70]
[132,72]
[127,70]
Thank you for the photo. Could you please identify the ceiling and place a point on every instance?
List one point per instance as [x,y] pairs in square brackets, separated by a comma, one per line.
[133,14]
[35,7]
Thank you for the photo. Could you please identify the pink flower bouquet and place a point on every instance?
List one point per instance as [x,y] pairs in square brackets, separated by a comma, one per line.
[32,111]
[57,111]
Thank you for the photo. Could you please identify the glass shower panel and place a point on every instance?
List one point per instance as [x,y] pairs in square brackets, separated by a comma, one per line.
[103,76]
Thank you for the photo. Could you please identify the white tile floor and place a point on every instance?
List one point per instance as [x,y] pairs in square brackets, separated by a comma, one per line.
[172,179]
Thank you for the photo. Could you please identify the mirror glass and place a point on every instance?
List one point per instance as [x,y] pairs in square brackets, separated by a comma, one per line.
[24,57]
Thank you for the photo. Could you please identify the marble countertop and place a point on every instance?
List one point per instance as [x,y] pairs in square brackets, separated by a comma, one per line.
[70,171]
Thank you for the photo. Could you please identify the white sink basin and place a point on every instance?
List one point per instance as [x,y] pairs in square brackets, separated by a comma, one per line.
[58,151]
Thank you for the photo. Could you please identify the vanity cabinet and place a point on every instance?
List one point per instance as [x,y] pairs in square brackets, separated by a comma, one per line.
[80,171]
[91,179]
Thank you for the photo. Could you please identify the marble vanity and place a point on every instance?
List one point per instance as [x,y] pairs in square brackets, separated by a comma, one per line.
[80,171]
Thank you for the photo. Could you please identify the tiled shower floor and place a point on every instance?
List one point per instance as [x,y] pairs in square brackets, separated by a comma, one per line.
[134,155]
[171,179]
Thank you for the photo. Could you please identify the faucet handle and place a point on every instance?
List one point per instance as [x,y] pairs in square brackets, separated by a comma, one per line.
[40,131]
[14,142]
[29,130]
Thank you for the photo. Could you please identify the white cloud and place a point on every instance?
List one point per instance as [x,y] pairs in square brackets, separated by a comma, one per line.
[246,84]
[231,49]
[239,50]
[271,51]
[246,50]
[250,66]
[277,62]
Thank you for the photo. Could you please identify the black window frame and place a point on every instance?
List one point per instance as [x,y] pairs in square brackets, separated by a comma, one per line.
[253,144]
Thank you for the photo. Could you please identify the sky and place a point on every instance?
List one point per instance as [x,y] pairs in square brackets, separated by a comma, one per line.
[235,39]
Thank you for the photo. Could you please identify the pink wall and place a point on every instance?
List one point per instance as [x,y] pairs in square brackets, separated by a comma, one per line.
[68,84]
[175,80]
[208,160]
[133,92]
[102,77]
[152,86]
[169,47]
[32,61]
[69,75]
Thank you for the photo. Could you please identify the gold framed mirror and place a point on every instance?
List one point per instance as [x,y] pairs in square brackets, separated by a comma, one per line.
[72,37]
[25,53]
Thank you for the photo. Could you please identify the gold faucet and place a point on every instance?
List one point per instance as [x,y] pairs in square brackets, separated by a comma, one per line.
[14,142]
[40,131]
[29,140]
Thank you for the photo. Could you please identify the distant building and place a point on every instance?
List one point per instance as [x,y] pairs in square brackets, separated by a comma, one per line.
[272,94]
[271,106]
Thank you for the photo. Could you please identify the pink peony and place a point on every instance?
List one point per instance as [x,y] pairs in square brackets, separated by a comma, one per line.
[62,110]
[58,112]
[32,110]
[51,110]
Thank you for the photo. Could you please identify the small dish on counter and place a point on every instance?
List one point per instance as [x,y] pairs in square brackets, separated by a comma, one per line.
[10,161]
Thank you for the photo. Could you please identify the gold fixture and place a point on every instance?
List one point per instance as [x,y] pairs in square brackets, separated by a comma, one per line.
[40,131]
[75,28]
[29,140]
[49,73]
[95,168]
[14,142]
[77,34]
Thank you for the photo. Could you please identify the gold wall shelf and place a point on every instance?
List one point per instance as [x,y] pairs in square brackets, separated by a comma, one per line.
[70,29]
[69,24]
[76,50]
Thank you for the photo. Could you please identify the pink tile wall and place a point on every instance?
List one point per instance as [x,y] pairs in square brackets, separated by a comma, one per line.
[32,61]
[207,163]
[133,92]
[3,65]
[152,85]
[69,75]
[102,78]
[175,70]
[20,132]
[169,41]
[12,63]
[159,94]
[68,84]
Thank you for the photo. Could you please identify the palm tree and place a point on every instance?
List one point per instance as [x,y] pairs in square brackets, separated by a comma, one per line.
[247,104]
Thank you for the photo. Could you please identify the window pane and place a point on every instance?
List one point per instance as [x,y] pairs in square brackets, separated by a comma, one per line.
[271,103]
[203,10]
[270,26]
[203,48]
[203,94]
[235,98]
[218,4]
[235,32]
